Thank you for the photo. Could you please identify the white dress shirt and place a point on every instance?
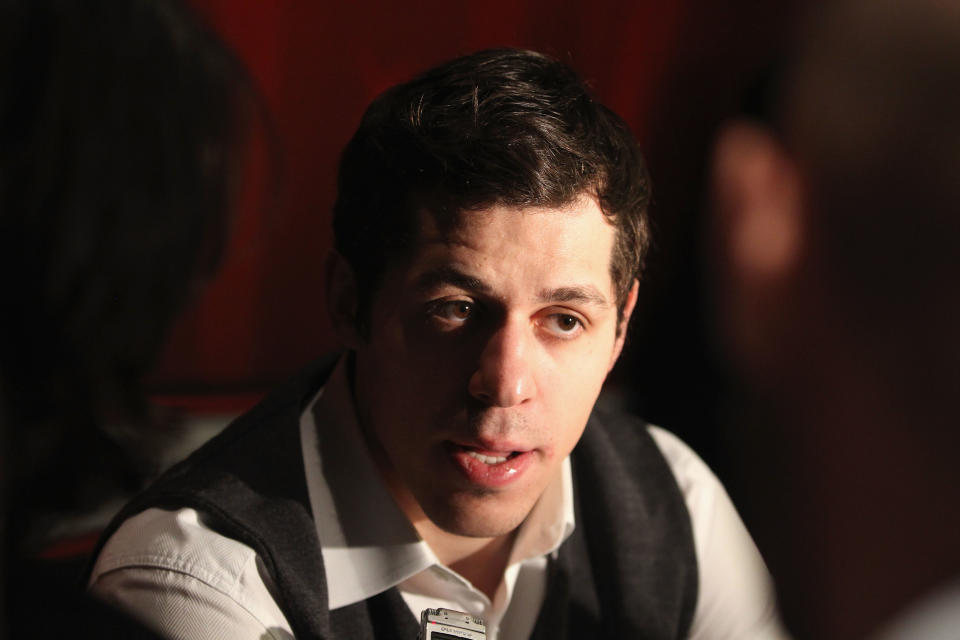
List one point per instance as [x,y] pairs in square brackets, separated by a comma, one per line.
[188,582]
[935,616]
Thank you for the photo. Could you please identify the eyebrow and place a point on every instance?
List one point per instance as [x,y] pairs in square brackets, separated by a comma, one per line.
[450,276]
[585,294]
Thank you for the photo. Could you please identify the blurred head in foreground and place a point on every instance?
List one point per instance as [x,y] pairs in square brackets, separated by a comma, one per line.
[119,126]
[836,246]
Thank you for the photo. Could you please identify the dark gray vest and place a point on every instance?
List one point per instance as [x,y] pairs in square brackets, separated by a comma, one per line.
[628,571]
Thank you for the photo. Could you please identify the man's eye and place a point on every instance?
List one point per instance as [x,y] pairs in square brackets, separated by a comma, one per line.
[563,324]
[453,310]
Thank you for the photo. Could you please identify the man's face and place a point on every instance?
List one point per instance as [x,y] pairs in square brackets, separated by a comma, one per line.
[487,348]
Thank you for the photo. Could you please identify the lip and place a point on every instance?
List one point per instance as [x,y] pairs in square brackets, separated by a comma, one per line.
[493,476]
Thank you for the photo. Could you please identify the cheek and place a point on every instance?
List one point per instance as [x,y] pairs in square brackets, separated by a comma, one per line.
[572,383]
[569,394]
[579,371]
[438,363]
[413,378]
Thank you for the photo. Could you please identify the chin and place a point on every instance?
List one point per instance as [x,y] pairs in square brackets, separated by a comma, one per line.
[477,521]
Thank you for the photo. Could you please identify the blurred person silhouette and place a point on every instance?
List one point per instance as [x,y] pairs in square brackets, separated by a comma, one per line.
[836,247]
[120,127]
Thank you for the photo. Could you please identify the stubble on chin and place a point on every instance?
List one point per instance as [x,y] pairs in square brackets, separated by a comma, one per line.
[471,523]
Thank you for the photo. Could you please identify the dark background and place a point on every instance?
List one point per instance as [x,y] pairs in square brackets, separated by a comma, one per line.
[674,69]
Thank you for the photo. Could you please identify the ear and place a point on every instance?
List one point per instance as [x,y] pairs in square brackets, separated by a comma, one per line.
[623,323]
[757,236]
[342,299]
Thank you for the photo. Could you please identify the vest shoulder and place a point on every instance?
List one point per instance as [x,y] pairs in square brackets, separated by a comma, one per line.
[618,433]
[637,528]
[279,410]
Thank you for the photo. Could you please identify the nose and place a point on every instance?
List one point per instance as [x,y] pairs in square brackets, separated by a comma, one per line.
[504,375]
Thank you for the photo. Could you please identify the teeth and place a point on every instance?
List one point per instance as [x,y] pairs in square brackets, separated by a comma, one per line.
[486,459]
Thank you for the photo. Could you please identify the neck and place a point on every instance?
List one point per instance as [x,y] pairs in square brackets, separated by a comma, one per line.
[482,561]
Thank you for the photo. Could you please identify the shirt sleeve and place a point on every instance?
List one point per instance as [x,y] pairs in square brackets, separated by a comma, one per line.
[187,582]
[736,598]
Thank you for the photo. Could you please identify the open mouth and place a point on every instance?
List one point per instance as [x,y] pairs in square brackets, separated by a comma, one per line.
[491,467]
[497,459]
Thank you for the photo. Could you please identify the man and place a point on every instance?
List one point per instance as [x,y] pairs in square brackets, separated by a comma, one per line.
[839,262]
[490,225]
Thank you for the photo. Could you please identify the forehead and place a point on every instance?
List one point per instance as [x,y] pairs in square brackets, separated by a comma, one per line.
[542,246]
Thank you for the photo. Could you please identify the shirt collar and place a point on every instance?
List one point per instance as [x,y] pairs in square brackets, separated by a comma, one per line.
[368,545]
